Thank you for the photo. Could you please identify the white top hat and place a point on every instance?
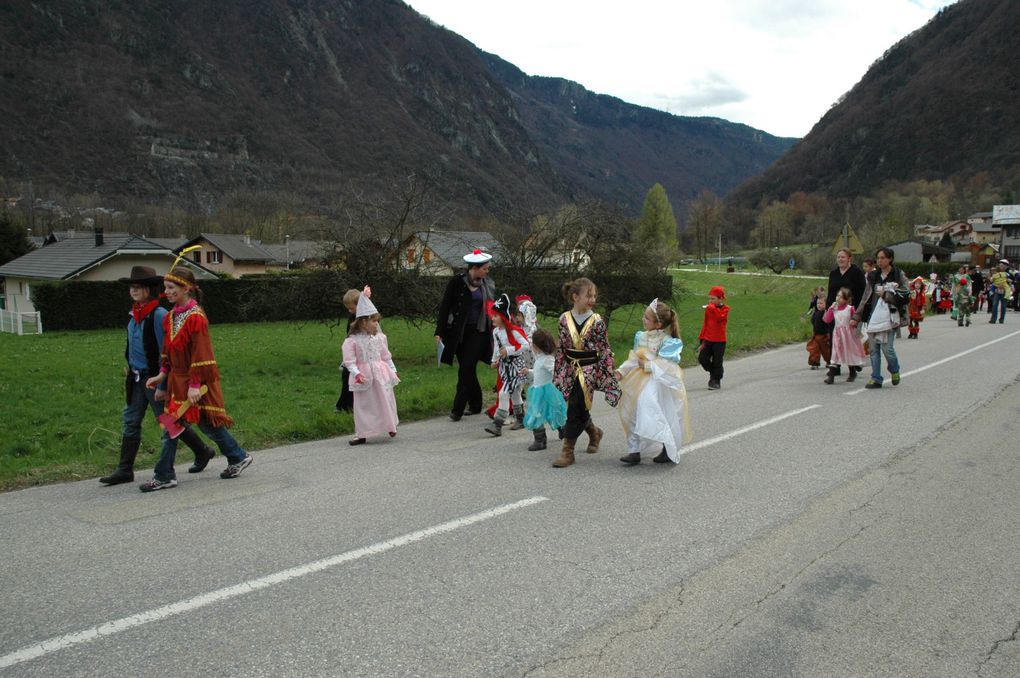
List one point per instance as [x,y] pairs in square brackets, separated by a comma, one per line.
[477,257]
[365,305]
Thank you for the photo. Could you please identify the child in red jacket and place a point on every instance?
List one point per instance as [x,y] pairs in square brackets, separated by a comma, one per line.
[713,336]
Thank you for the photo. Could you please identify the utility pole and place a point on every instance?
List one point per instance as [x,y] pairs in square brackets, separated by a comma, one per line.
[286,240]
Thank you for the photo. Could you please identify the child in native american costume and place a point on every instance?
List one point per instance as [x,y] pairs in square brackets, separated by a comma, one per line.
[190,374]
[653,404]
[584,364]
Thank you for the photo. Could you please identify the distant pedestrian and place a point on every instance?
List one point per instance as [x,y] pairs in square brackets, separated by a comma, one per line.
[1001,293]
[373,374]
[819,346]
[345,403]
[916,306]
[189,364]
[713,336]
[882,306]
[962,300]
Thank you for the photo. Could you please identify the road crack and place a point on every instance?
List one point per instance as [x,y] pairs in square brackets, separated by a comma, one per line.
[995,648]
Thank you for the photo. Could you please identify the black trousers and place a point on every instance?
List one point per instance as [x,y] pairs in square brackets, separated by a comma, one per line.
[473,348]
[711,357]
[578,416]
[345,403]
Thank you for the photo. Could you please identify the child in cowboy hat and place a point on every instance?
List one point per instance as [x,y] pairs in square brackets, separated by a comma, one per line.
[145,338]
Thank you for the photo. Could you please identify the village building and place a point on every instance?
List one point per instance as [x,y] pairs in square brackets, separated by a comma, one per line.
[99,256]
[1007,218]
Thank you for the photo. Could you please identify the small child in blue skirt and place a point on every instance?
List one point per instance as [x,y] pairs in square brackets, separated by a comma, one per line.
[546,404]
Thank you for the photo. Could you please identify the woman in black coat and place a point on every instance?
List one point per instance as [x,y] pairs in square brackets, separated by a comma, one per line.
[465,330]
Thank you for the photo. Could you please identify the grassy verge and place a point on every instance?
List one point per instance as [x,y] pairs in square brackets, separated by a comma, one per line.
[61,393]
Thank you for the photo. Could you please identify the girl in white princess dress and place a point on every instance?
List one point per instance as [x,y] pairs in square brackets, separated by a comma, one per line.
[373,374]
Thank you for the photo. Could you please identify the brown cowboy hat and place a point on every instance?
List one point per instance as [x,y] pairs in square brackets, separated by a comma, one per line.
[142,275]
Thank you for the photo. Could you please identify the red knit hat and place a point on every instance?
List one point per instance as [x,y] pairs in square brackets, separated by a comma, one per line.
[717,292]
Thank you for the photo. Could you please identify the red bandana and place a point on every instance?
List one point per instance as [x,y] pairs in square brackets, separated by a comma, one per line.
[139,311]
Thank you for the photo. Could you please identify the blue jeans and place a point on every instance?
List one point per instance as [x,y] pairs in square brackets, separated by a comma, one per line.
[889,350]
[997,302]
[218,434]
[140,400]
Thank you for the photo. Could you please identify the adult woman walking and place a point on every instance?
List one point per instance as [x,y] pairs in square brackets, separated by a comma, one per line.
[464,330]
[846,274]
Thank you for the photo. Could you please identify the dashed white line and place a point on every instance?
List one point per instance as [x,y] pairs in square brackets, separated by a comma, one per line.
[180,607]
[746,429]
[944,360]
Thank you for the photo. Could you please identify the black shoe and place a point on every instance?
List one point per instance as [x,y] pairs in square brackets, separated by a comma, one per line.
[117,477]
[714,385]
[631,459]
[661,457]
[873,384]
[470,412]
[202,460]
[455,416]
[829,379]
[356,441]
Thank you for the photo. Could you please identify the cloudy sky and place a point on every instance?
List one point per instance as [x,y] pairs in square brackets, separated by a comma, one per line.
[776,65]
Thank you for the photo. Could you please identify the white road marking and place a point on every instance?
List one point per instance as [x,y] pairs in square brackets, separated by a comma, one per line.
[940,362]
[180,607]
[745,429]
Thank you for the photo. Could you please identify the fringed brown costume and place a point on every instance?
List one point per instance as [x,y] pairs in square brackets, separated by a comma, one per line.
[190,361]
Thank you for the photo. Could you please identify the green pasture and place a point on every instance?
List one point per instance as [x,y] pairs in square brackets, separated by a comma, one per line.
[61,393]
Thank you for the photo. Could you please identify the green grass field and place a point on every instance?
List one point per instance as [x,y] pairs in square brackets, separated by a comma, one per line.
[62,393]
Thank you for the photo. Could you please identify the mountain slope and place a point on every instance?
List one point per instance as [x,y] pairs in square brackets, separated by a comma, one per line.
[185,102]
[608,147]
[943,101]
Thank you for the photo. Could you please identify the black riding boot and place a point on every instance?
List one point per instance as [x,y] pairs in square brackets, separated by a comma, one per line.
[125,472]
[203,453]
[540,440]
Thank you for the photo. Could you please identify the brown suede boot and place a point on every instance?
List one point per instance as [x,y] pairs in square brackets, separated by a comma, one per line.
[567,454]
[594,437]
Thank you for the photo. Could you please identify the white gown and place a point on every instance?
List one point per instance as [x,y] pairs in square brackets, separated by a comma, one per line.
[653,405]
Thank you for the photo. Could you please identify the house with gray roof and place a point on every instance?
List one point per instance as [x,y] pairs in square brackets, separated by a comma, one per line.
[233,254]
[102,256]
[442,253]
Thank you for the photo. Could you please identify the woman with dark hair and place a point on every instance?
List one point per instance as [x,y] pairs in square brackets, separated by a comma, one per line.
[191,376]
[464,330]
[882,307]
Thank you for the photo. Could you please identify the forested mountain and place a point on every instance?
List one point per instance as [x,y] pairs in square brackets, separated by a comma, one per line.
[942,103]
[604,146]
[184,102]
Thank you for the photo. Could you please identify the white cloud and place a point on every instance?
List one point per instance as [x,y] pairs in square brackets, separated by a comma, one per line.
[773,64]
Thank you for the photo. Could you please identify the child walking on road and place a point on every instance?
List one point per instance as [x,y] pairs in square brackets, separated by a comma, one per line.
[545,403]
[584,364]
[847,348]
[373,374]
[653,404]
[713,336]
[509,345]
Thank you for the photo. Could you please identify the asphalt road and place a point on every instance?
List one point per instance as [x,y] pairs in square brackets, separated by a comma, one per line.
[810,530]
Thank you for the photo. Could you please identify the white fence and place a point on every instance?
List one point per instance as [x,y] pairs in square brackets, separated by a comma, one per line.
[20,323]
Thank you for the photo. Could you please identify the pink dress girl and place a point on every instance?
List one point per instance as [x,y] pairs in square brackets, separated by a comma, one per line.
[373,374]
[846,342]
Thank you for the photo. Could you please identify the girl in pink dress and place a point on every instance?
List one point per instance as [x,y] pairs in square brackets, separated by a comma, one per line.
[846,342]
[373,374]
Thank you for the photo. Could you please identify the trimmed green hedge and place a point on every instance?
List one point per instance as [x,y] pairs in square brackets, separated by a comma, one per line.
[318,295]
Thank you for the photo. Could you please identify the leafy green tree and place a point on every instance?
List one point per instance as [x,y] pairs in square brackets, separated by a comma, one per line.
[704,218]
[13,239]
[656,230]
